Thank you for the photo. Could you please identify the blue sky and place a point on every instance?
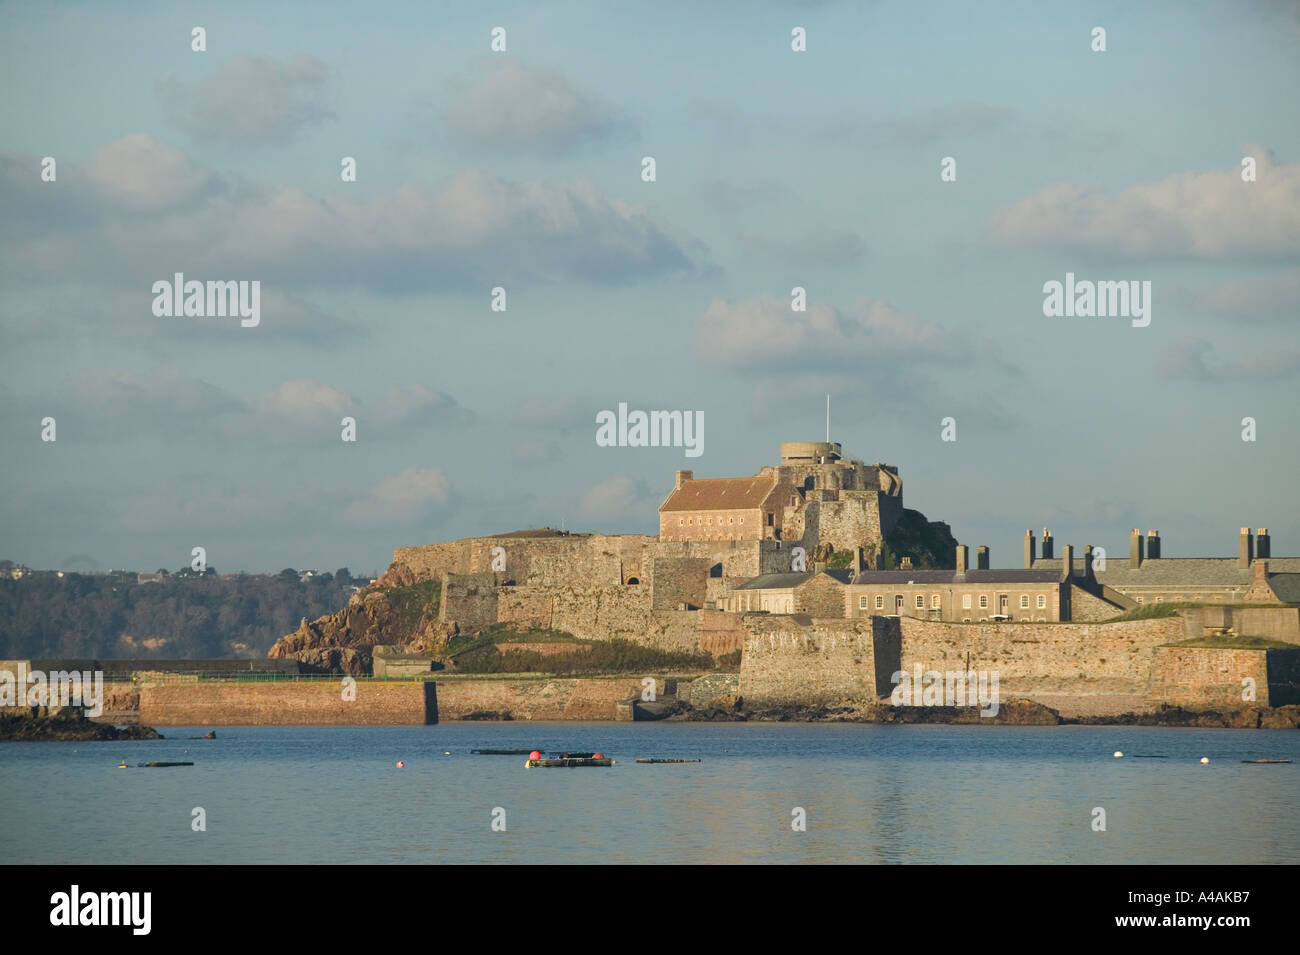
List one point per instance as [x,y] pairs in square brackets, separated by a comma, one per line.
[522,169]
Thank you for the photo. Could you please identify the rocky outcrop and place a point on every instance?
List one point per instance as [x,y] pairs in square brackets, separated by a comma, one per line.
[67,725]
[342,642]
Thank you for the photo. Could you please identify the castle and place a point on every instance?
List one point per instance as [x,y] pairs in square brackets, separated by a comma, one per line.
[792,566]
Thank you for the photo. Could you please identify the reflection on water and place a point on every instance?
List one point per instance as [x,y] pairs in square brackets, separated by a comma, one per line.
[873,794]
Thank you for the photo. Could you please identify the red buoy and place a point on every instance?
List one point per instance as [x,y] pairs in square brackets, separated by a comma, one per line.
[400,764]
[534,755]
[597,756]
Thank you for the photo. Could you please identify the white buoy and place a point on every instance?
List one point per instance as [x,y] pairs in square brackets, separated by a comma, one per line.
[1118,754]
[1205,759]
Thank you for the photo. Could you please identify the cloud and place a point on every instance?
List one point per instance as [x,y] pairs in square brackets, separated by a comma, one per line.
[473,230]
[510,105]
[1192,358]
[163,398]
[1259,297]
[251,100]
[310,411]
[765,333]
[817,247]
[410,496]
[134,175]
[873,355]
[619,499]
[1198,215]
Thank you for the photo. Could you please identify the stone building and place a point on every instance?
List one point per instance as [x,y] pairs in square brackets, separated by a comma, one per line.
[965,595]
[814,497]
[1145,575]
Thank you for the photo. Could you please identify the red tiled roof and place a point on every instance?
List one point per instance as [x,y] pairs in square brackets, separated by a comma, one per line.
[721,494]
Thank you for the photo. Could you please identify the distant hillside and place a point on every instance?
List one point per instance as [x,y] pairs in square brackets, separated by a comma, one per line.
[116,615]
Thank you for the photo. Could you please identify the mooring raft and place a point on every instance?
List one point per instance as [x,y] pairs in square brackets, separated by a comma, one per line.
[537,760]
[164,764]
[643,759]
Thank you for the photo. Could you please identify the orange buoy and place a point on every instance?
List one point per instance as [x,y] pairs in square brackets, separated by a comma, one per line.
[400,764]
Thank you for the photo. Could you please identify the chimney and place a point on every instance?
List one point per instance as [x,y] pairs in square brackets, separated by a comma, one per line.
[683,477]
[857,562]
[905,564]
[1067,562]
[1153,545]
[1262,548]
[1089,575]
[961,558]
[1047,544]
[1261,573]
[982,557]
[1029,548]
[1245,550]
[1135,549]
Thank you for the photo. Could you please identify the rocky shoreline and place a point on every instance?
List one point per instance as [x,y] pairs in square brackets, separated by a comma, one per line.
[67,725]
[1017,712]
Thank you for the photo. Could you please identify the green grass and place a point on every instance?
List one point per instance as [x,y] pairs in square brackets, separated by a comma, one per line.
[605,656]
[1152,612]
[1157,610]
[411,603]
[1235,643]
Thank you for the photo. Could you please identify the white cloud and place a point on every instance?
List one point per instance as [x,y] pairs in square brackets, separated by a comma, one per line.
[404,498]
[473,230]
[619,499]
[511,105]
[250,100]
[1258,297]
[1203,215]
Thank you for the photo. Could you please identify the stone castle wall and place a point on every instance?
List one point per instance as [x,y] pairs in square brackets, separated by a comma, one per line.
[287,703]
[470,600]
[1085,607]
[824,661]
[1043,658]
[1207,677]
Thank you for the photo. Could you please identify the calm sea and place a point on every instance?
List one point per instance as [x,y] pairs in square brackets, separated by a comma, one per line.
[930,794]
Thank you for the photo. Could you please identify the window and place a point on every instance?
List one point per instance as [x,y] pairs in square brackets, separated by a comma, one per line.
[1042,601]
[880,601]
[681,522]
[934,601]
[965,603]
[742,520]
[1024,601]
[690,521]
[920,602]
[731,520]
[862,603]
[984,601]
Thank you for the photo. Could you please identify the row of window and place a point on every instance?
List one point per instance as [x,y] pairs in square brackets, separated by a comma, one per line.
[935,601]
[690,521]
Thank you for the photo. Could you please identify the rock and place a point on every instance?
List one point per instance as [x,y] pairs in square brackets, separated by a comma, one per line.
[65,726]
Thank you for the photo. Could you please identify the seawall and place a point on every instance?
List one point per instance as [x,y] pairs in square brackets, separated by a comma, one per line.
[288,703]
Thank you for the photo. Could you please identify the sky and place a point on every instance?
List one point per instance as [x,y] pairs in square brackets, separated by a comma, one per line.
[523,169]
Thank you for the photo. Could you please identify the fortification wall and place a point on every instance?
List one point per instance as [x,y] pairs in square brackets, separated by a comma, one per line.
[679,580]
[470,600]
[824,661]
[1043,658]
[822,596]
[1204,677]
[579,699]
[1272,623]
[287,703]
[525,606]
[1085,607]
